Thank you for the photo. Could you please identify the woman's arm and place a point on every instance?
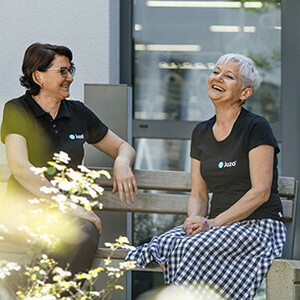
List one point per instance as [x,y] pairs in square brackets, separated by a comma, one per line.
[198,200]
[19,165]
[261,174]
[124,156]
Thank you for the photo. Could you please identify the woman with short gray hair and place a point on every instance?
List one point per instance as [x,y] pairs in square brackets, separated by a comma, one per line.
[229,247]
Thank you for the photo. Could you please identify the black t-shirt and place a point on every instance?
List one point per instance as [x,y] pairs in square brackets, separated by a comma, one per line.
[74,125]
[225,164]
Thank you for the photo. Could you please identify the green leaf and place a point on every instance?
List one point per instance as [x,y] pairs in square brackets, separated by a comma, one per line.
[51,171]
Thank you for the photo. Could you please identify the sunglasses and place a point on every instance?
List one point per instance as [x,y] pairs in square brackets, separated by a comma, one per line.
[64,71]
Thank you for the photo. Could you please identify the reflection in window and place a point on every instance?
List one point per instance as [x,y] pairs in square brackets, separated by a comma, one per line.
[177,43]
[159,154]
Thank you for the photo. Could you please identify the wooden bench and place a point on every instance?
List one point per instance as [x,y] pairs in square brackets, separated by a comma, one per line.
[167,192]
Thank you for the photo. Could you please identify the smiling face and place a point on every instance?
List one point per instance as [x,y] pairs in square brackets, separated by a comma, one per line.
[225,84]
[53,84]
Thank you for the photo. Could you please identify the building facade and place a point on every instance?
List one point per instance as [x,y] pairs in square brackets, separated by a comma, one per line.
[165,51]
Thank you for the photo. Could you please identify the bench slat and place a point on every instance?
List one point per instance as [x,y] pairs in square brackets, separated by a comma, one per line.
[155,180]
[165,203]
[287,187]
[160,180]
[287,208]
[148,203]
[105,252]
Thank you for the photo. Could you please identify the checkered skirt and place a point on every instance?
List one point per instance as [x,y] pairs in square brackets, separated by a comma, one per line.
[230,260]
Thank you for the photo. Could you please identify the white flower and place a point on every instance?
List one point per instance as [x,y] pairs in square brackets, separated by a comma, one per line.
[75,199]
[13,266]
[59,167]
[73,205]
[46,190]
[74,175]
[85,202]
[97,188]
[112,269]
[105,173]
[43,272]
[84,169]
[122,240]
[44,257]
[94,174]
[59,198]
[3,273]
[62,156]
[34,201]
[127,265]
[37,171]
[6,267]
[63,207]
[67,185]
[62,273]
[49,190]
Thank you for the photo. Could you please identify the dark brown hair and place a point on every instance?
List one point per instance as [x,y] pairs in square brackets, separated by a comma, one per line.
[38,57]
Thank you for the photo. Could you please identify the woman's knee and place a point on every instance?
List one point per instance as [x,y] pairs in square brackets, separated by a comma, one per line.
[88,233]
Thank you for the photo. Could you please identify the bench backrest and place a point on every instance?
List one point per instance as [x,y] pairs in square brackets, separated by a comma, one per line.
[167,192]
[175,202]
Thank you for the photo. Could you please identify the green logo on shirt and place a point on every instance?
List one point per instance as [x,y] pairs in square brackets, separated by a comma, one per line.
[226,164]
[76,136]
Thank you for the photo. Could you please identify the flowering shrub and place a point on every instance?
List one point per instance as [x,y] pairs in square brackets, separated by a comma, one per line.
[69,189]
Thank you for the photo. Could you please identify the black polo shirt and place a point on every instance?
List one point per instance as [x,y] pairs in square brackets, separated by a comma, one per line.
[74,125]
[225,164]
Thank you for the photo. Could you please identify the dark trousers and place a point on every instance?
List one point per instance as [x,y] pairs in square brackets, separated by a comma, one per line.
[78,256]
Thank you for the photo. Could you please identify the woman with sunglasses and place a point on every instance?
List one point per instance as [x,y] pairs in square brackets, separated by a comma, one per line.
[42,122]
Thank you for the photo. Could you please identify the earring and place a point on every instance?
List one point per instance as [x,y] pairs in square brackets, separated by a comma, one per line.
[41,86]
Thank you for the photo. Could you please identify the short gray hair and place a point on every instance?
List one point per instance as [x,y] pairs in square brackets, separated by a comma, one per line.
[248,71]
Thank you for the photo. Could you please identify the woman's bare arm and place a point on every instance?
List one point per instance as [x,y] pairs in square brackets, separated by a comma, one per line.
[124,156]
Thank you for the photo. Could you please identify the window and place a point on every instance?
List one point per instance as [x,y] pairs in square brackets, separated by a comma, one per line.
[178,42]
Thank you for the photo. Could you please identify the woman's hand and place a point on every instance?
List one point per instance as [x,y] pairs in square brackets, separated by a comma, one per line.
[196,224]
[124,180]
[80,212]
[92,217]
[124,155]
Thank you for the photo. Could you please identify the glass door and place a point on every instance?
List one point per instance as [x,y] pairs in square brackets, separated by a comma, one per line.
[176,44]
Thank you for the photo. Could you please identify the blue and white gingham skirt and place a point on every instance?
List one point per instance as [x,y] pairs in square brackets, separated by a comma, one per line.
[230,260]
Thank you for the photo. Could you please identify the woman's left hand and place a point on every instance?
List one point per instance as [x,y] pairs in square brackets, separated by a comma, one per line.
[81,212]
[197,225]
[124,180]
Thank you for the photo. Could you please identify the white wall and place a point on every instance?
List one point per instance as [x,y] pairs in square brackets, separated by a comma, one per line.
[90,28]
